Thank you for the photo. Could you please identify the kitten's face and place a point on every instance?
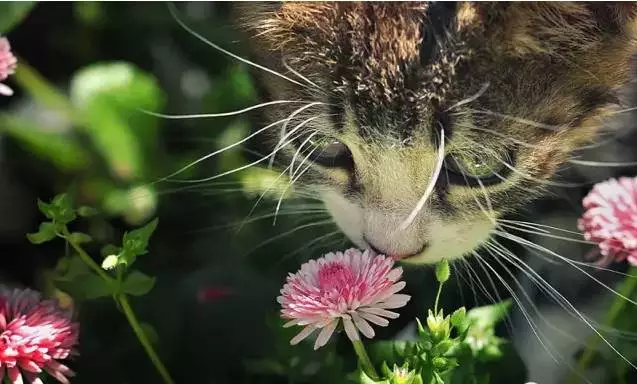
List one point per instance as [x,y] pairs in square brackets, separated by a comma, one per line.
[515,87]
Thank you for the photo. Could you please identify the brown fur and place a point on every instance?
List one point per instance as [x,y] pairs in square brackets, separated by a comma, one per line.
[553,63]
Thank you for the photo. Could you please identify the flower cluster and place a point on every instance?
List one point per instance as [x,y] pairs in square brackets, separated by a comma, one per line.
[610,219]
[352,287]
[35,335]
[8,63]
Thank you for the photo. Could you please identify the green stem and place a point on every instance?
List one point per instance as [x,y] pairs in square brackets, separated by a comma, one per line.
[139,332]
[88,260]
[437,299]
[364,360]
[122,300]
[626,288]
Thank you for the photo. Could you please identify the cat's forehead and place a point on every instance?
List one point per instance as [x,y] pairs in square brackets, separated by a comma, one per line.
[377,54]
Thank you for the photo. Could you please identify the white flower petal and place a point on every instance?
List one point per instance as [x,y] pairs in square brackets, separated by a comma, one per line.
[350,329]
[396,301]
[380,312]
[395,274]
[363,326]
[5,90]
[303,334]
[374,319]
[325,334]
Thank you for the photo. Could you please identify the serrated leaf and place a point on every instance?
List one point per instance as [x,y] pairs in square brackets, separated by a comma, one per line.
[87,211]
[12,13]
[138,284]
[136,241]
[48,210]
[46,232]
[79,238]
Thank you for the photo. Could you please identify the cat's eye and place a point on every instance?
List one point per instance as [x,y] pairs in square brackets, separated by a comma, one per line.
[475,168]
[328,151]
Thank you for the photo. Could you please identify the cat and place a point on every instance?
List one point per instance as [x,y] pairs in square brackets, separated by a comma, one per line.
[420,124]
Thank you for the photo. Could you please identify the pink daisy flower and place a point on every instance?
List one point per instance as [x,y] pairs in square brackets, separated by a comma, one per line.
[35,335]
[8,63]
[352,287]
[610,219]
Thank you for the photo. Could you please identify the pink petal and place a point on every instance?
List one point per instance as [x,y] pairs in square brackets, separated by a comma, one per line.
[325,334]
[350,330]
[307,331]
[363,326]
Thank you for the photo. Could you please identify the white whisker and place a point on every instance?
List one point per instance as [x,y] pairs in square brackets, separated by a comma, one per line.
[432,183]
[173,12]
[222,114]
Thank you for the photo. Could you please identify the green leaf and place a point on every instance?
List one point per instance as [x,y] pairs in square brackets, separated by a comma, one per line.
[458,316]
[91,286]
[12,13]
[46,232]
[110,97]
[136,241]
[442,271]
[138,284]
[70,267]
[59,210]
[61,149]
[79,238]
[109,249]
[489,315]
[87,211]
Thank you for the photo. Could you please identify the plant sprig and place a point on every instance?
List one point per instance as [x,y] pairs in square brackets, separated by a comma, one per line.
[114,277]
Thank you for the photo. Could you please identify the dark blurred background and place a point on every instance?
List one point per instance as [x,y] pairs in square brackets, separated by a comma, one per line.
[218,258]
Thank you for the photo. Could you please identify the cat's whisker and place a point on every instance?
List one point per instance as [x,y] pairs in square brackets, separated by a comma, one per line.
[237,225]
[298,151]
[541,181]
[222,114]
[432,182]
[590,163]
[173,11]
[470,99]
[235,144]
[254,162]
[292,180]
[559,299]
[572,263]
[516,119]
[537,226]
[288,233]
[465,263]
[542,339]
[539,233]
[310,246]
[300,76]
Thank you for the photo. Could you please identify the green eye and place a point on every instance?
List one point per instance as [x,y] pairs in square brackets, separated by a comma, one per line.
[470,167]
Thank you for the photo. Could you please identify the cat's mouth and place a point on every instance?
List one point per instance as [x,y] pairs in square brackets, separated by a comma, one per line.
[394,255]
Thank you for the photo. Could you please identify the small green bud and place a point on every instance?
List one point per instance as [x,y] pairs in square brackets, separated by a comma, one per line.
[442,271]
[402,375]
[439,327]
[439,363]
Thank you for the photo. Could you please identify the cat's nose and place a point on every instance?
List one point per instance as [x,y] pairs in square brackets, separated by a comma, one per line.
[394,254]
